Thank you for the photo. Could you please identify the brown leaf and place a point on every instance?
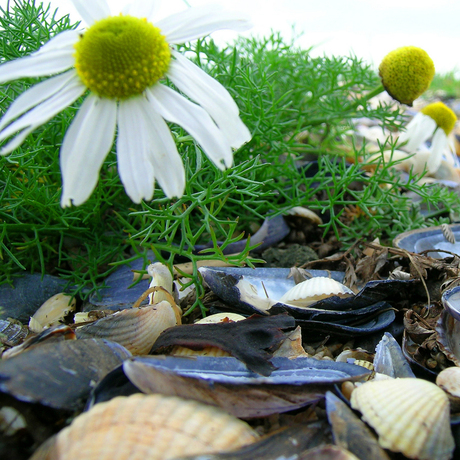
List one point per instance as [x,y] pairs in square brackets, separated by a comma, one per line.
[252,340]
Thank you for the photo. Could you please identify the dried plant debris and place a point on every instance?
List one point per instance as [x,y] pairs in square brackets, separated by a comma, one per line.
[252,341]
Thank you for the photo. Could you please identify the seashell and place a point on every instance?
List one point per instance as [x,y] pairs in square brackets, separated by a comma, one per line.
[285,443]
[305,213]
[148,427]
[451,301]
[449,380]
[136,329]
[409,415]
[272,231]
[179,350]
[350,432]
[12,334]
[52,334]
[119,292]
[52,312]
[358,353]
[429,239]
[161,277]
[60,374]
[228,383]
[28,292]
[314,289]
[389,359]
[220,318]
[448,331]
[327,452]
[249,291]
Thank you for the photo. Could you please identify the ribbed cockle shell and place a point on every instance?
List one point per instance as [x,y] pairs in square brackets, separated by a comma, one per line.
[410,416]
[147,427]
[314,289]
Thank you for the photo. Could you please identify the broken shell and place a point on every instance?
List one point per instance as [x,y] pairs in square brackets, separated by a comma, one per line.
[389,358]
[350,432]
[327,452]
[59,374]
[286,443]
[410,416]
[448,331]
[161,277]
[221,318]
[226,381]
[52,312]
[12,334]
[428,239]
[305,213]
[136,329]
[449,380]
[148,427]
[451,302]
[314,289]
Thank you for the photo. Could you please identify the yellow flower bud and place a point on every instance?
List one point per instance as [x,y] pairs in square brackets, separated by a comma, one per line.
[406,73]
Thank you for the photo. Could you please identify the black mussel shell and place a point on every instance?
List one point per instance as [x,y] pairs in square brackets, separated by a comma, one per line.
[27,294]
[60,375]
[226,381]
[118,292]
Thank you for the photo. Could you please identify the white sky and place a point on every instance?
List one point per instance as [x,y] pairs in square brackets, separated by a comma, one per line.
[367,28]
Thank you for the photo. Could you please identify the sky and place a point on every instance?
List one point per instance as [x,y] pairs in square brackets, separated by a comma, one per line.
[368,29]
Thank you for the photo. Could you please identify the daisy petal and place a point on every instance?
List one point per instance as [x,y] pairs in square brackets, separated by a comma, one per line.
[35,95]
[438,145]
[86,144]
[142,9]
[166,161]
[63,40]
[212,96]
[43,112]
[92,11]
[198,22]
[37,65]
[418,130]
[136,171]
[195,120]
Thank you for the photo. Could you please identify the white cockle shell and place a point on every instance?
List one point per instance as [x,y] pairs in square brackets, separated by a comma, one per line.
[409,415]
[147,427]
[314,289]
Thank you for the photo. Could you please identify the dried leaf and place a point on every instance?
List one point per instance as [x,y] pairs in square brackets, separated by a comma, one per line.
[252,340]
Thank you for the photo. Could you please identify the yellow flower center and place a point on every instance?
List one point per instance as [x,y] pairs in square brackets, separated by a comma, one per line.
[120,56]
[444,117]
[406,73]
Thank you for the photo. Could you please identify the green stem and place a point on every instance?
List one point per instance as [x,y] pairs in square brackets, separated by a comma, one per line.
[361,101]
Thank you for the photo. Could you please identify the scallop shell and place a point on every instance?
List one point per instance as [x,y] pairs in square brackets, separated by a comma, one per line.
[410,416]
[147,427]
[136,329]
[449,381]
[314,289]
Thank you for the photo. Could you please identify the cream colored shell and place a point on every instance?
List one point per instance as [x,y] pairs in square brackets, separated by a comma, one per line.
[449,380]
[410,416]
[52,312]
[314,289]
[221,318]
[147,427]
[135,328]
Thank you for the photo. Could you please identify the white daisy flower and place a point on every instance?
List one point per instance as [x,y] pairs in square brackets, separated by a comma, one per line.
[121,60]
[434,121]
